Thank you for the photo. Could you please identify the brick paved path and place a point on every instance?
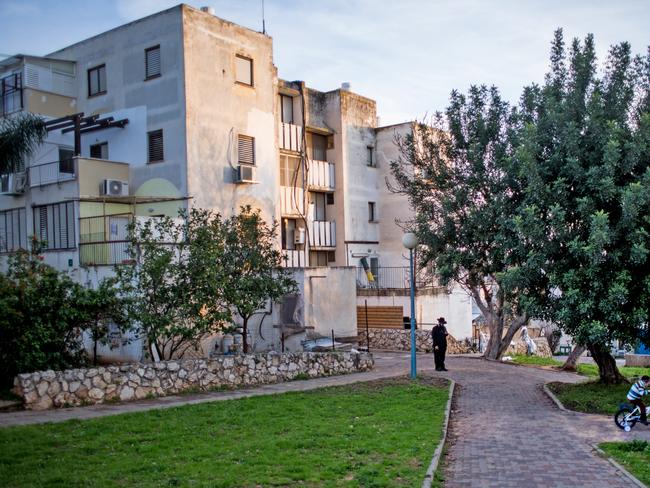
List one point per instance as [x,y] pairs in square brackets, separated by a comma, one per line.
[505,432]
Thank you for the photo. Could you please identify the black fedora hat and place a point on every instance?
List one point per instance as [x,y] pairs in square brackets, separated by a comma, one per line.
[442,320]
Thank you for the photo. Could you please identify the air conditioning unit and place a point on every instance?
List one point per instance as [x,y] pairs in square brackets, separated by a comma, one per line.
[115,188]
[245,174]
[13,183]
[299,236]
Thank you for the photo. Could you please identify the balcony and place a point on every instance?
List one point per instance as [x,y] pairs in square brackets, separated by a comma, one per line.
[293,258]
[289,137]
[393,278]
[53,172]
[321,175]
[322,233]
[292,201]
[103,240]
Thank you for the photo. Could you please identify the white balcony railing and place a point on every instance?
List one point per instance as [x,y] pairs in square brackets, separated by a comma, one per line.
[54,172]
[321,175]
[293,258]
[322,233]
[292,201]
[289,136]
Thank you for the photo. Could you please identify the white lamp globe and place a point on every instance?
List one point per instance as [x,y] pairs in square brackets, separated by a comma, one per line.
[410,240]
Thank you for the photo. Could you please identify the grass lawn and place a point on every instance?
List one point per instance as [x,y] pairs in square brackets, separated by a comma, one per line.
[590,397]
[634,456]
[374,434]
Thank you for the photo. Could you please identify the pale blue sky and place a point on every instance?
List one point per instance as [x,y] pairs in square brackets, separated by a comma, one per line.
[406,54]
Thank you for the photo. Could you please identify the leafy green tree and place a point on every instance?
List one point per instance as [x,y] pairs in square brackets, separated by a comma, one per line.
[584,153]
[20,135]
[98,308]
[253,264]
[176,284]
[457,172]
[40,321]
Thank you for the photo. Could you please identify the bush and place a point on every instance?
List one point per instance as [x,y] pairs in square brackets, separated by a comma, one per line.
[39,324]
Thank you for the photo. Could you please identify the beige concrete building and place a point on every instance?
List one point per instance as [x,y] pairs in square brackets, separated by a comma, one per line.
[205,121]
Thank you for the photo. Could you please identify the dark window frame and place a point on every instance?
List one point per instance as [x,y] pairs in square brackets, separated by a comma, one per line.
[99,145]
[100,92]
[147,76]
[18,241]
[371,160]
[151,134]
[252,71]
[372,212]
[282,99]
[70,225]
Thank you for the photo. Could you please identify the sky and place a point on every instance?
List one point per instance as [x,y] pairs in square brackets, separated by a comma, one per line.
[407,55]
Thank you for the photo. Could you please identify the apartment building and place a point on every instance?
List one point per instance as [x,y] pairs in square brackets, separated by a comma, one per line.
[181,109]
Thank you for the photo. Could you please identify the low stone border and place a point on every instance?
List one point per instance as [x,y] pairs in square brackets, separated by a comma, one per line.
[618,466]
[433,466]
[556,400]
[48,389]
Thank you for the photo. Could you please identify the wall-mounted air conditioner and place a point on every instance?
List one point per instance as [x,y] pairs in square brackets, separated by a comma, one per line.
[13,183]
[299,236]
[115,188]
[245,174]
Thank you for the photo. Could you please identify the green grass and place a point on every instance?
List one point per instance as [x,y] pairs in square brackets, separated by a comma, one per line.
[634,456]
[372,434]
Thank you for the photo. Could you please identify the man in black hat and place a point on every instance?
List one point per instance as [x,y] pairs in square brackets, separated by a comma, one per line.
[439,335]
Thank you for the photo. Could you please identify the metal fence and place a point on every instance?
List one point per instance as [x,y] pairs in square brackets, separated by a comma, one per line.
[104,253]
[396,278]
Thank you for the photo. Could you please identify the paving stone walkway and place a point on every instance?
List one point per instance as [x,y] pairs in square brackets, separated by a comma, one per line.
[506,432]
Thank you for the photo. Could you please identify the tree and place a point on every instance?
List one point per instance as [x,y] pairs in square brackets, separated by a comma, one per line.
[253,264]
[176,282]
[40,321]
[584,153]
[457,172]
[98,308]
[20,135]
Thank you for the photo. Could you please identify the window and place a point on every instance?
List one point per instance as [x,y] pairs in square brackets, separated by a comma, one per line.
[290,171]
[155,151]
[11,93]
[319,205]
[318,258]
[97,80]
[370,157]
[13,230]
[372,212]
[288,233]
[331,256]
[66,161]
[152,62]
[286,107]
[244,70]
[374,266]
[245,149]
[55,225]
[99,150]
[318,147]
[330,198]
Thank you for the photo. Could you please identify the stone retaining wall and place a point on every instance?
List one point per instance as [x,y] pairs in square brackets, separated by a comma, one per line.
[400,340]
[47,389]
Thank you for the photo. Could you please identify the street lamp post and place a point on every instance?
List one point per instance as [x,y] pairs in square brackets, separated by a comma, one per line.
[410,241]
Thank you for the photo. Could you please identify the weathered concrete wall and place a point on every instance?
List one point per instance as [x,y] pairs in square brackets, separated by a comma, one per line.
[400,340]
[637,360]
[47,389]
[219,108]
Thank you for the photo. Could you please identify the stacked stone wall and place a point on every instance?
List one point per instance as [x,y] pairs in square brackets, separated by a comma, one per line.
[400,340]
[48,389]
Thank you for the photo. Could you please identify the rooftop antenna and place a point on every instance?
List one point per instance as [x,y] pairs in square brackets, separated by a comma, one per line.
[263,21]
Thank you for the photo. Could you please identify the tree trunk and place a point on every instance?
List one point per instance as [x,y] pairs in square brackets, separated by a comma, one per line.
[244,329]
[571,363]
[95,351]
[607,369]
[498,343]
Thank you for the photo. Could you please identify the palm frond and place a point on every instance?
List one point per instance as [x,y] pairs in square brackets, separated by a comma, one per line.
[19,137]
